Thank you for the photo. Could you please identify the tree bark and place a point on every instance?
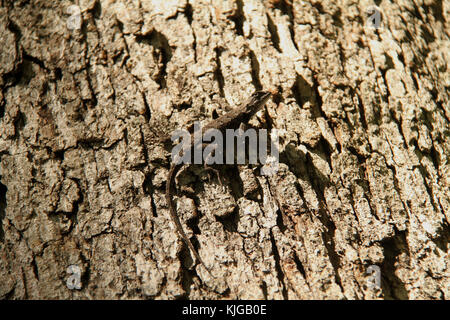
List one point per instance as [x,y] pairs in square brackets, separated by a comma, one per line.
[361,107]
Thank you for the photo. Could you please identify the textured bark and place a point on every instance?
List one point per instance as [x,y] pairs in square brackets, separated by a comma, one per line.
[363,118]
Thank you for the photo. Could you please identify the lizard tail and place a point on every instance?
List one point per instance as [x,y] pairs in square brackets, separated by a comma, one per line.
[169,198]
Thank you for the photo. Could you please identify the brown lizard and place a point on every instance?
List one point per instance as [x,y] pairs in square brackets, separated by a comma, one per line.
[231,120]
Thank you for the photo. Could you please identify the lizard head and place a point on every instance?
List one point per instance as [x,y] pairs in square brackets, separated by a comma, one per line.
[257,100]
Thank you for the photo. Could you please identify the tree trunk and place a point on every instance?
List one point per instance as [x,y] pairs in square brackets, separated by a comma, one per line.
[359,208]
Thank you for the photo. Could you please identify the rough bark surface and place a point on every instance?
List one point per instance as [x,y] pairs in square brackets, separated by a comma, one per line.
[362,113]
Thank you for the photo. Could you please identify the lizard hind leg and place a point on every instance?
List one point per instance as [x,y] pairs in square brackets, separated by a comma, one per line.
[210,169]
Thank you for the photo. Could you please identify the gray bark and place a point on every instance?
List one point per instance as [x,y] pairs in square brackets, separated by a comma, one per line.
[362,113]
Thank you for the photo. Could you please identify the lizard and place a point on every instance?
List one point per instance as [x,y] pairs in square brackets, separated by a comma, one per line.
[230,120]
